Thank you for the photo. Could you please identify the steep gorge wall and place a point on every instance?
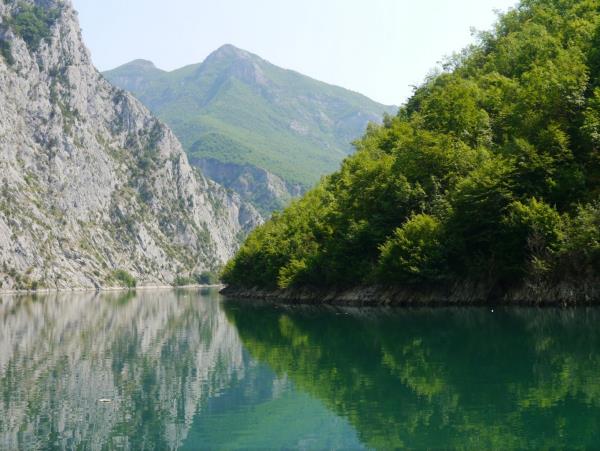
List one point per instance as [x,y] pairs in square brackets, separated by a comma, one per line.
[90,180]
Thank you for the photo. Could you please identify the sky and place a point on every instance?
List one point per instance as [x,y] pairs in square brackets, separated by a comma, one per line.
[380,48]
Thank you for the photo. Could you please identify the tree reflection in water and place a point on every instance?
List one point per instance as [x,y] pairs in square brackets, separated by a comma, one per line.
[439,378]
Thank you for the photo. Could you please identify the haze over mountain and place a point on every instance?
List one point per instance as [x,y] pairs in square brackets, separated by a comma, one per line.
[238,116]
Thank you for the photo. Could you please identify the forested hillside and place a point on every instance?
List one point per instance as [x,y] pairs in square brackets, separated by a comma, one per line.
[489,174]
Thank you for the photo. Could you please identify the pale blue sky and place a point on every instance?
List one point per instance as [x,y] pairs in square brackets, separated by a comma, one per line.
[377,47]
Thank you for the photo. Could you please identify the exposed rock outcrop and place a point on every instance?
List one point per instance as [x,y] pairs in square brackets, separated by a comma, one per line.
[90,181]
[531,293]
[266,191]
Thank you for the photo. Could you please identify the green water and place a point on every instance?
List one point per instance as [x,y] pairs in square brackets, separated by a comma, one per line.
[189,370]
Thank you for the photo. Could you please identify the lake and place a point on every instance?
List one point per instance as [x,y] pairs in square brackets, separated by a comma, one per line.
[187,369]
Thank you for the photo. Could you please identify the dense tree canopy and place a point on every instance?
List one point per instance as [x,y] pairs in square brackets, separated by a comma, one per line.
[489,173]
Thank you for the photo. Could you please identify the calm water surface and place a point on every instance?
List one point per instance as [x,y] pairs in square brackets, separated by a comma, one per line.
[188,370]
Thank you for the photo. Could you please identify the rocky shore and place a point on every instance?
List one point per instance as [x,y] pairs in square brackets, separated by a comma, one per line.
[572,293]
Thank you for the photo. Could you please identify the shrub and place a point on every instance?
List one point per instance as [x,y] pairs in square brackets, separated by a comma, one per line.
[541,230]
[34,24]
[6,52]
[124,278]
[207,278]
[580,251]
[204,278]
[290,273]
[181,281]
[414,253]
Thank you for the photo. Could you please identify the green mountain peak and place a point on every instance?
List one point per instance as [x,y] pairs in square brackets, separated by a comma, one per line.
[238,108]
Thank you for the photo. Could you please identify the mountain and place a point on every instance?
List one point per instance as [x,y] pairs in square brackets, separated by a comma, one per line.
[94,190]
[485,187]
[237,108]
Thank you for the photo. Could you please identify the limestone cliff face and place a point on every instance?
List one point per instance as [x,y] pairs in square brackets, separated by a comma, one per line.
[90,180]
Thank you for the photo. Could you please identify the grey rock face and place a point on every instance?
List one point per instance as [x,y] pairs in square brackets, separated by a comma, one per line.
[90,181]
[266,191]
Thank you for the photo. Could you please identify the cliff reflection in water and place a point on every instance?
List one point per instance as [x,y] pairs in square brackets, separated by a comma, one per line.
[155,356]
[182,369]
[463,378]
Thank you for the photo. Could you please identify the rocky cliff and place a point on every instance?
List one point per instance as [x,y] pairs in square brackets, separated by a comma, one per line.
[264,190]
[92,186]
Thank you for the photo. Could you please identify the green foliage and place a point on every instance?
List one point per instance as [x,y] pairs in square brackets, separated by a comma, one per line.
[580,251]
[34,23]
[182,281]
[207,278]
[123,278]
[22,281]
[6,51]
[543,228]
[490,173]
[203,278]
[414,252]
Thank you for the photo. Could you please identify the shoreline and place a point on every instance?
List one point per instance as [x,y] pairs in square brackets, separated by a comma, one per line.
[106,289]
[564,294]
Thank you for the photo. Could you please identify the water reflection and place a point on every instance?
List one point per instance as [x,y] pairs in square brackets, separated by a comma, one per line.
[153,370]
[460,378]
[184,370]
[155,356]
